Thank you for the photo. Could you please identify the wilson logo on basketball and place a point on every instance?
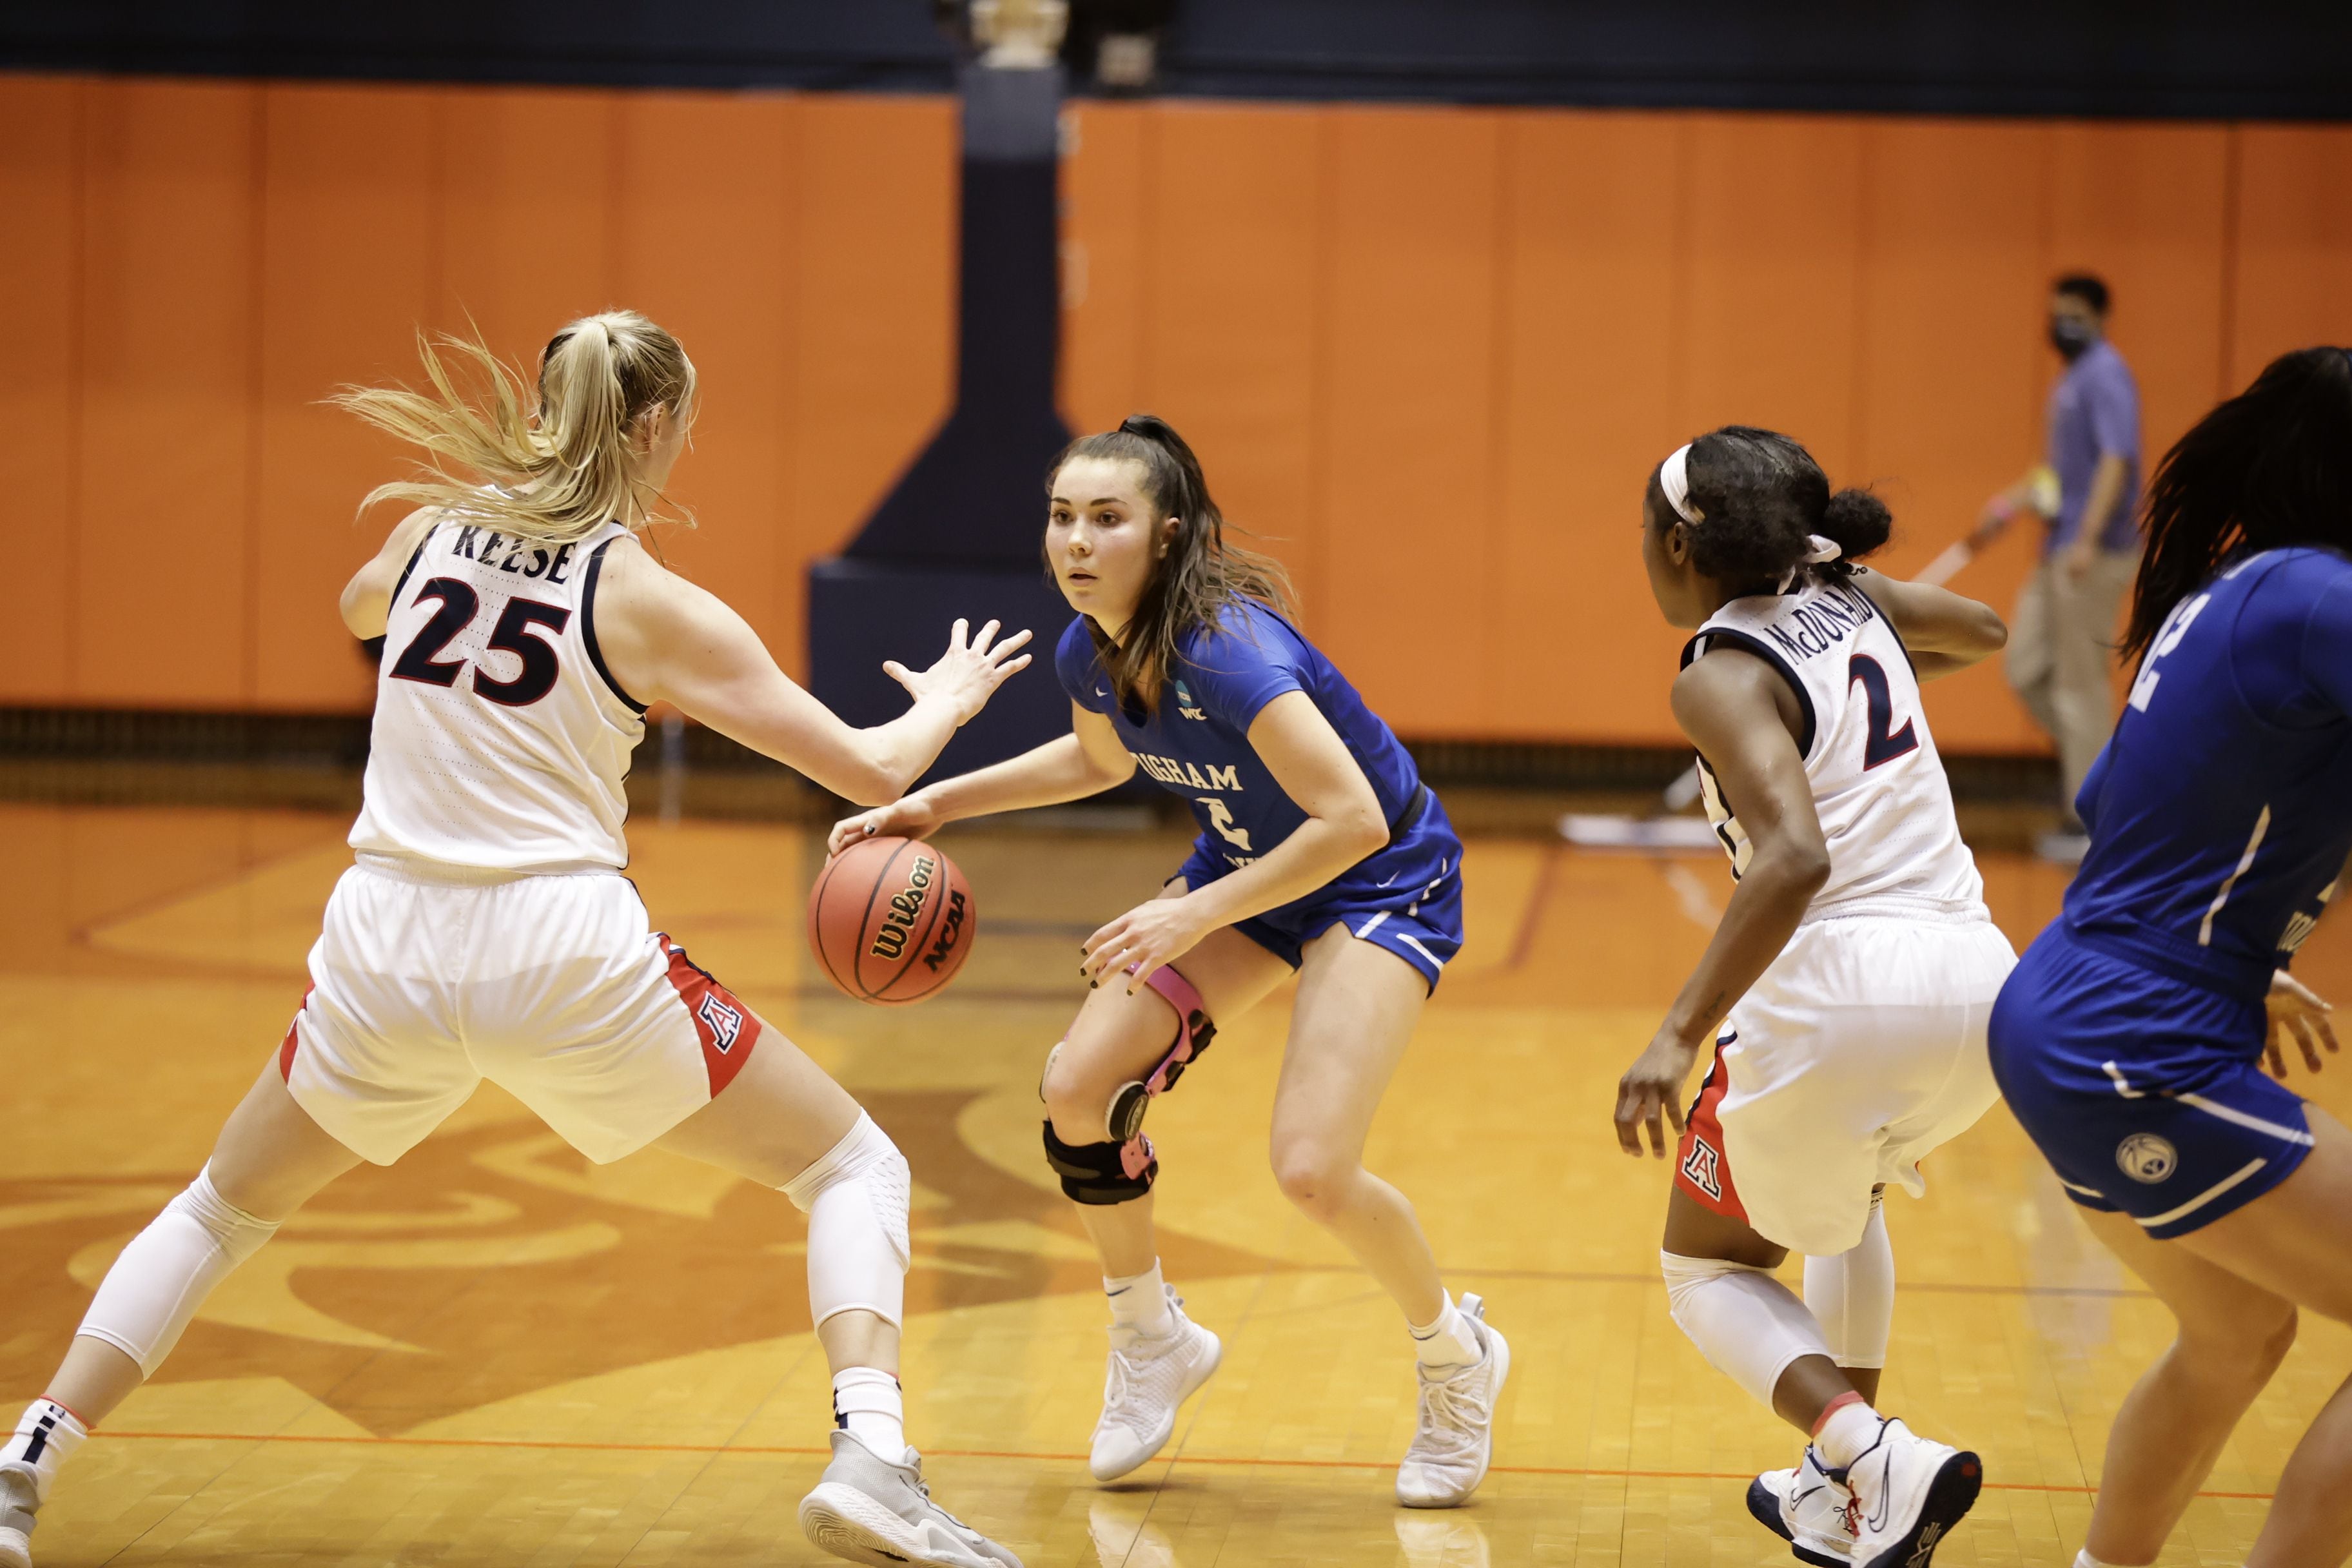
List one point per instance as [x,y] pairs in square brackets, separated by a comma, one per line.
[951,932]
[906,905]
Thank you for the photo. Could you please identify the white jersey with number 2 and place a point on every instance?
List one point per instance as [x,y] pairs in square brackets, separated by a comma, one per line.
[1878,786]
[500,740]
[1861,1048]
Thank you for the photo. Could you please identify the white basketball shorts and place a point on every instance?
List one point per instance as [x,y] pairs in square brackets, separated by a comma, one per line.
[429,978]
[1860,1051]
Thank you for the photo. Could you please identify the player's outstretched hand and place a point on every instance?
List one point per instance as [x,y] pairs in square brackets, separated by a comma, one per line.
[1140,940]
[910,817]
[1650,1094]
[969,673]
[2296,1009]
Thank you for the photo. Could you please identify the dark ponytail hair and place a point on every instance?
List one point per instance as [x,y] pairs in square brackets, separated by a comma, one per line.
[1199,577]
[2272,466]
[1760,495]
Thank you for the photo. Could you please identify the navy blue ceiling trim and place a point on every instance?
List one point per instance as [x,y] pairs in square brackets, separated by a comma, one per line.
[2155,58]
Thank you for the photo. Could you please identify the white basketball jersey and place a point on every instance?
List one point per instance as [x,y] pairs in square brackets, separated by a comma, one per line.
[1886,808]
[500,740]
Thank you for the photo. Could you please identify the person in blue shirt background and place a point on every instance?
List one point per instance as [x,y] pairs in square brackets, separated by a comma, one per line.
[2061,638]
[1320,851]
[2129,1038]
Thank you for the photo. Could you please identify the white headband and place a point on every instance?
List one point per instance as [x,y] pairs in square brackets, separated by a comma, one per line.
[1673,479]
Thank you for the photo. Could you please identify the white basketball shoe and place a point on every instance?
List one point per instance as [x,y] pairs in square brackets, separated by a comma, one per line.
[869,1510]
[1147,1377]
[1455,1439]
[1908,1493]
[17,1502]
[1805,1506]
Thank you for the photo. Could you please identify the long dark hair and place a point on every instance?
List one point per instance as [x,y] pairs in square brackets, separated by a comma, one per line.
[1760,495]
[1199,577]
[2272,466]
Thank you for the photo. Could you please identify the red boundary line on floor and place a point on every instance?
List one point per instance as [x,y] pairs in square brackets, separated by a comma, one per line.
[1007,1453]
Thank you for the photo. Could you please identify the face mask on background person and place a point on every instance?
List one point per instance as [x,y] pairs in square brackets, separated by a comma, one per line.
[2071,337]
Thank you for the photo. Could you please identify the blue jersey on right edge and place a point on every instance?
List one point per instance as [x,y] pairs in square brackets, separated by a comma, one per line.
[2220,814]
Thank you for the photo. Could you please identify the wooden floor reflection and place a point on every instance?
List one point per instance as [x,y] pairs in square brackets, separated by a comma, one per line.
[495,1354]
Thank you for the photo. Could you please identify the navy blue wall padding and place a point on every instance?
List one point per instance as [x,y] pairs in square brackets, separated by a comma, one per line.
[961,533]
[861,613]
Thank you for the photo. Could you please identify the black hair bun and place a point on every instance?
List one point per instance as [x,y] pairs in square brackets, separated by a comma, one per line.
[1858,521]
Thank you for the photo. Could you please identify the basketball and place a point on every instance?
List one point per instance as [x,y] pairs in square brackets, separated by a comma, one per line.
[891,920]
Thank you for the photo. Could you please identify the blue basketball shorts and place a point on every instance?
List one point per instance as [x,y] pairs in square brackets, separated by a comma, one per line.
[1405,898]
[2142,1090]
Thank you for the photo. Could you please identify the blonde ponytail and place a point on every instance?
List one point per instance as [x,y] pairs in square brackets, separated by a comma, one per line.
[557,470]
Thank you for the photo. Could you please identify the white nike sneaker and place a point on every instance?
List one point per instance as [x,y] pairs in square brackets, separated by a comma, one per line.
[869,1510]
[17,1505]
[1908,1493]
[1807,1509]
[1454,1440]
[1148,1377]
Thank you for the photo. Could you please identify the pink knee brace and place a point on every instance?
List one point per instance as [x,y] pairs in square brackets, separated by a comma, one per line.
[1193,1033]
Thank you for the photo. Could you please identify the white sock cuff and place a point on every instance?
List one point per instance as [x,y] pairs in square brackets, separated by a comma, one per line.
[867,1388]
[45,1436]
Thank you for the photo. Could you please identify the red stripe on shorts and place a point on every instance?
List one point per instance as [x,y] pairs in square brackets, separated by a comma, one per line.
[1700,1168]
[725,1027]
[285,1048]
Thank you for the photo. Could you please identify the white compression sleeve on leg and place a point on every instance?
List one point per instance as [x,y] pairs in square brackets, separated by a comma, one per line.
[1747,1323]
[1852,1295]
[146,1300]
[855,1196]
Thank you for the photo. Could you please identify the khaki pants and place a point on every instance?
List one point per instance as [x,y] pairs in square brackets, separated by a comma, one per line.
[2062,649]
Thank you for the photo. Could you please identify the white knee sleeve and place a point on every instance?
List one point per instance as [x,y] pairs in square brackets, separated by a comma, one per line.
[1747,1323]
[856,1197]
[1853,1296]
[144,1302]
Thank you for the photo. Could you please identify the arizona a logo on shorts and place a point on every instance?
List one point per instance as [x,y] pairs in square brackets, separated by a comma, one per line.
[2144,1157]
[723,1022]
[1701,1168]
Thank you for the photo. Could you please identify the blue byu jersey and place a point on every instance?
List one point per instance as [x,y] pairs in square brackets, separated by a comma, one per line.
[1197,744]
[2220,813]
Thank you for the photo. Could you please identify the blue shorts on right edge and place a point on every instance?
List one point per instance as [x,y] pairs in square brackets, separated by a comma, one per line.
[2142,1090]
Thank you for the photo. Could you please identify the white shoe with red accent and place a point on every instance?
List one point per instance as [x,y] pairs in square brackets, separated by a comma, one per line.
[1908,1493]
[1806,1508]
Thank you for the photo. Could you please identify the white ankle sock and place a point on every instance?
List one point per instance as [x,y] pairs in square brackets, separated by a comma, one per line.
[1139,1301]
[868,1404]
[1448,1342]
[1847,1431]
[2083,1558]
[44,1438]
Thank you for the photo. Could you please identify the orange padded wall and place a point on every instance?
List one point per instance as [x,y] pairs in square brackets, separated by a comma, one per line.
[1429,354]
[1433,354]
[193,267]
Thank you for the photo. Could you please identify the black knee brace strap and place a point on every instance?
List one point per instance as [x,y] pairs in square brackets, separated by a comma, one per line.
[1102,1173]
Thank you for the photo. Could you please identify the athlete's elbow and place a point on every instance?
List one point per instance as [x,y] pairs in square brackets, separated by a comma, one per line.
[1990,632]
[872,782]
[1797,870]
[1361,829]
